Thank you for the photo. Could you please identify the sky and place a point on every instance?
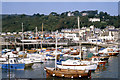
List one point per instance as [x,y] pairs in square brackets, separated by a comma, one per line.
[31,8]
[60,0]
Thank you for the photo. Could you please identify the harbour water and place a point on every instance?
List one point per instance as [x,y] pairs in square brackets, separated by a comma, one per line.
[110,70]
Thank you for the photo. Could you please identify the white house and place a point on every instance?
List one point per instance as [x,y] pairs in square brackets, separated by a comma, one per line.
[66,30]
[3,34]
[14,33]
[106,36]
[94,19]
[20,33]
[8,33]
[70,14]
[70,36]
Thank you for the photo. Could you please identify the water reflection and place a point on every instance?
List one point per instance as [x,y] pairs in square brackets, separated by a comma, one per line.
[108,71]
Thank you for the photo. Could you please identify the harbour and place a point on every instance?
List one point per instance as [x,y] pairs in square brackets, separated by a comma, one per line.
[59,57]
[81,45]
[37,71]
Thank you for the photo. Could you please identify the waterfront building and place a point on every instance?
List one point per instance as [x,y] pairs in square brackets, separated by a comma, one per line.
[8,33]
[14,33]
[106,36]
[3,34]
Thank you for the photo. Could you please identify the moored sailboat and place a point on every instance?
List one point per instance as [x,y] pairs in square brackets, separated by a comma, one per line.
[68,73]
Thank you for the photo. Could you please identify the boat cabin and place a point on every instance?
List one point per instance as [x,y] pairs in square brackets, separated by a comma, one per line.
[95,59]
[13,61]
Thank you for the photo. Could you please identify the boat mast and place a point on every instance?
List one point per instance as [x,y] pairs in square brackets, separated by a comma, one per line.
[56,51]
[79,37]
[96,42]
[42,37]
[22,37]
[36,37]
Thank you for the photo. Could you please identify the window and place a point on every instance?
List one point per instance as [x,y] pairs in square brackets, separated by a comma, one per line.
[15,61]
[11,61]
[95,59]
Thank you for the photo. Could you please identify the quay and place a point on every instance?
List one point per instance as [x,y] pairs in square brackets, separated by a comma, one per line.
[49,44]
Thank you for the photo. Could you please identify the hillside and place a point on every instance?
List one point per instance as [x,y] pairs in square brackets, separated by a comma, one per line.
[55,21]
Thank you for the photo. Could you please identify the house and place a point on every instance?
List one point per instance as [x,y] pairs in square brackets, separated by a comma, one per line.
[70,14]
[84,14]
[94,19]
[3,34]
[66,30]
[106,36]
[19,33]
[69,35]
[112,30]
[14,33]
[8,33]
[89,12]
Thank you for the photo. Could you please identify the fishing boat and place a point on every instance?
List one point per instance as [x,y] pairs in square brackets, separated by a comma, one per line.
[11,55]
[103,57]
[96,60]
[35,57]
[12,63]
[113,53]
[50,57]
[5,51]
[111,50]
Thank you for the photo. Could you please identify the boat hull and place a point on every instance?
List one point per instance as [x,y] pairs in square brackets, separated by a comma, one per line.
[113,54]
[29,65]
[13,66]
[78,67]
[67,73]
[104,58]
[101,63]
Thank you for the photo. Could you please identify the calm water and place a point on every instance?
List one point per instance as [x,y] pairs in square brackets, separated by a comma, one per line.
[37,70]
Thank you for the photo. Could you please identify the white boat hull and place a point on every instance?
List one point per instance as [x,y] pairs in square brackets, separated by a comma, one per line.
[78,67]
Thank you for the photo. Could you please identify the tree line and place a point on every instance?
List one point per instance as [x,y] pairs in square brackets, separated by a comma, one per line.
[55,21]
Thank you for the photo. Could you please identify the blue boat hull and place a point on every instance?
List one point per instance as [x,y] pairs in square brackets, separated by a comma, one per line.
[13,66]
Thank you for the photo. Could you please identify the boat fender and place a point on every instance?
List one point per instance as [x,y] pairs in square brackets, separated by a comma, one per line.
[71,76]
[53,74]
[62,75]
[45,69]
[86,71]
[79,75]
[81,63]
